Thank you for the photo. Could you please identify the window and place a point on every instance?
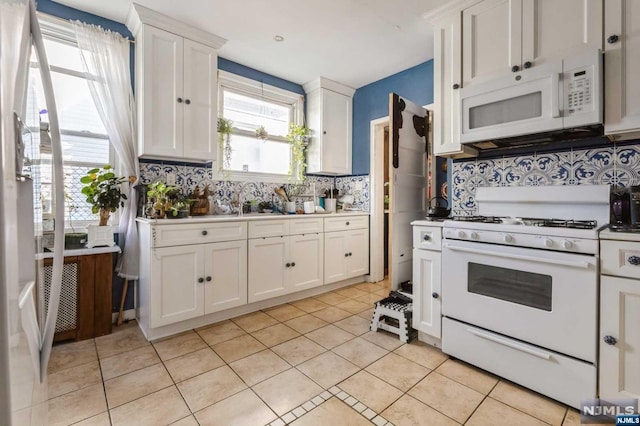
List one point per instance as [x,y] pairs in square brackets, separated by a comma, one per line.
[251,105]
[85,143]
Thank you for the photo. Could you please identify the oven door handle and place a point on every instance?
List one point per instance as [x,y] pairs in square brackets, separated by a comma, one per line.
[511,344]
[575,264]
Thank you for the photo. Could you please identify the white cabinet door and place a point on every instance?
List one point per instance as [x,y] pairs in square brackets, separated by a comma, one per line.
[200,102]
[447,71]
[225,275]
[336,132]
[427,268]
[358,249]
[267,266]
[491,39]
[162,93]
[622,62]
[336,254]
[306,253]
[178,284]
[555,29]
[619,319]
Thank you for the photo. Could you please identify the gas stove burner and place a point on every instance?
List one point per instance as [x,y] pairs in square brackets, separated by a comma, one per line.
[478,219]
[573,224]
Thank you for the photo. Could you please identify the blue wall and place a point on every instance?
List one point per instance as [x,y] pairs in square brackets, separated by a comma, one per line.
[372,101]
[253,74]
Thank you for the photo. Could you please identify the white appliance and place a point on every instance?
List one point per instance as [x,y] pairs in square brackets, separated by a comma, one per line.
[25,345]
[520,295]
[561,95]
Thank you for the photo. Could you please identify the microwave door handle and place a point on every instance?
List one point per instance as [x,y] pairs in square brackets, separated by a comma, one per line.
[555,95]
[575,264]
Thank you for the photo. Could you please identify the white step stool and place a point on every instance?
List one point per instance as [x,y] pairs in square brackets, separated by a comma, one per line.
[391,311]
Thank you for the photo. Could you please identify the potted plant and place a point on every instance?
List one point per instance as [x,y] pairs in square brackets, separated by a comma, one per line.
[102,189]
[298,137]
[179,207]
[160,194]
[224,140]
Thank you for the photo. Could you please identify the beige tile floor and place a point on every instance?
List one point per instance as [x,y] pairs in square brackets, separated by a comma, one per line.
[310,362]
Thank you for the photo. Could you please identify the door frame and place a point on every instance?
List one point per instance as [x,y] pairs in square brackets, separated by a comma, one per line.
[376,199]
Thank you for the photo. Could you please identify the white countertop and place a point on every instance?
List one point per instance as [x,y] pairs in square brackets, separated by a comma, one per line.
[428,222]
[80,252]
[246,217]
[607,234]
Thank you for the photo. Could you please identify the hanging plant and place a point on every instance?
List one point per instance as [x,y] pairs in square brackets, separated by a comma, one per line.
[298,137]
[224,140]
[262,134]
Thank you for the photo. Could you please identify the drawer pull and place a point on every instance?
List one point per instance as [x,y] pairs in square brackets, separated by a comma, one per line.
[205,232]
[610,340]
[510,344]
[426,238]
[200,280]
[634,260]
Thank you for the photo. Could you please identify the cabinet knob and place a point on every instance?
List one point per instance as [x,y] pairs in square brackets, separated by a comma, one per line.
[187,101]
[426,238]
[634,260]
[527,64]
[208,279]
[347,223]
[613,39]
[346,255]
[435,295]
[324,132]
[179,100]
[515,68]
[456,86]
[610,340]
[200,280]
[350,254]
[288,265]
[293,264]
[205,232]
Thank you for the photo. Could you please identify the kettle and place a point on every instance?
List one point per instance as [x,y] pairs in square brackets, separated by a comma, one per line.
[437,210]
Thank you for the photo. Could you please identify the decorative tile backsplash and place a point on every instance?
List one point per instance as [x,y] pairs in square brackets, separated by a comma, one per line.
[189,176]
[617,165]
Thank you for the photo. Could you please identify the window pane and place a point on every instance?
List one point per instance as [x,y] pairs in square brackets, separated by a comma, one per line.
[253,155]
[85,150]
[249,113]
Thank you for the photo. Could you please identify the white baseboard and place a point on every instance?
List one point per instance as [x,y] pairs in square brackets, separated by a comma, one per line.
[129,314]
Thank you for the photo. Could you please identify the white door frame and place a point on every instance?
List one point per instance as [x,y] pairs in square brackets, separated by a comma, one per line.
[376,199]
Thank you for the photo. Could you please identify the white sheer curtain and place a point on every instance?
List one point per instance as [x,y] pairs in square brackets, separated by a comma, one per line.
[105,55]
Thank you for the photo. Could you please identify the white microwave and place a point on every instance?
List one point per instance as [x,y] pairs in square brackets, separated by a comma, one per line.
[554,96]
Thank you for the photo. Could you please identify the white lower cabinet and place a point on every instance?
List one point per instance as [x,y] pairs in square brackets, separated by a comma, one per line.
[346,254]
[284,264]
[197,279]
[427,284]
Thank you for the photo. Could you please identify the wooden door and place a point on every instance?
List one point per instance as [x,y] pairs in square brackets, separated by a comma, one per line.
[178,280]
[408,185]
[306,254]
[619,318]
[200,101]
[491,39]
[225,275]
[267,266]
[162,98]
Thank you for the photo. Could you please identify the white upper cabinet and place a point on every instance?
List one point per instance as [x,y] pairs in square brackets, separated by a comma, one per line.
[329,116]
[447,71]
[622,62]
[502,36]
[176,87]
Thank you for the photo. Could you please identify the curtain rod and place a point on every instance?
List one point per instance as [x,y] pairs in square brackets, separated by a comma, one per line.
[68,21]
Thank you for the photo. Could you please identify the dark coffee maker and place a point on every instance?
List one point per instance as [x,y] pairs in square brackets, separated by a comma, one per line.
[634,206]
[620,207]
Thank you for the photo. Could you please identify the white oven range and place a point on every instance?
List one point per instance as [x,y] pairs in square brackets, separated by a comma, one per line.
[520,296]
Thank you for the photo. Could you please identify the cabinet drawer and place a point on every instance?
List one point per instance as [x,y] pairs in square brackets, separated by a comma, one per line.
[345,223]
[620,258]
[268,228]
[178,235]
[427,237]
[305,226]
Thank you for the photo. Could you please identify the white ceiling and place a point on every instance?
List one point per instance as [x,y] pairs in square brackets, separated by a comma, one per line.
[354,42]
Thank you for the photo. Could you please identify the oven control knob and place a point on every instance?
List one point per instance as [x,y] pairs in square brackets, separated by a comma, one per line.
[474,235]
[508,238]
[567,244]
[548,242]
[461,234]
